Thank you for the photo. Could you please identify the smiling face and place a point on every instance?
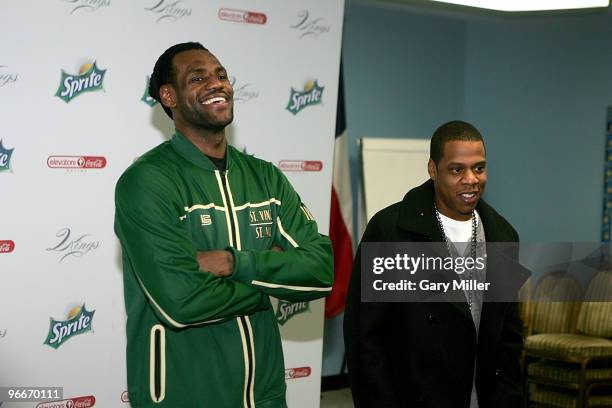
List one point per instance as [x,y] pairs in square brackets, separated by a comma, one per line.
[201,95]
[459,178]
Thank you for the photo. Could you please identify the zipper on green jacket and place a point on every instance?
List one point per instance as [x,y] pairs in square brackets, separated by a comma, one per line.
[243,321]
[230,209]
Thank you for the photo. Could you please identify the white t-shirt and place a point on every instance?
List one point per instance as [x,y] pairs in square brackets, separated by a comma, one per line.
[458,232]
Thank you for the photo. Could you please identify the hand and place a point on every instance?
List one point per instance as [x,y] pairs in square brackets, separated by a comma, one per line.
[220,262]
[276,248]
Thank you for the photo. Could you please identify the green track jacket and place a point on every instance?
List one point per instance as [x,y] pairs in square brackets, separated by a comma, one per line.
[193,339]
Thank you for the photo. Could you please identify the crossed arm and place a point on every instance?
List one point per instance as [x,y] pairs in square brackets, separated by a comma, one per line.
[220,263]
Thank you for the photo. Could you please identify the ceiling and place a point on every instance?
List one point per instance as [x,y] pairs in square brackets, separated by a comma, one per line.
[433,7]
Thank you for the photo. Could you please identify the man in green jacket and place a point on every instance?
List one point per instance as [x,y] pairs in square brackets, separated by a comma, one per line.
[207,234]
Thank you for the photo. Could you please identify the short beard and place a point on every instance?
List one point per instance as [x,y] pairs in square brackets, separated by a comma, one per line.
[197,120]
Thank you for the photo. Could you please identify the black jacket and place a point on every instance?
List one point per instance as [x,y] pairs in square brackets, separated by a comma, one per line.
[423,354]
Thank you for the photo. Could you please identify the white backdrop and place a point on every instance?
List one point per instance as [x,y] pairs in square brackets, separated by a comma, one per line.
[59,162]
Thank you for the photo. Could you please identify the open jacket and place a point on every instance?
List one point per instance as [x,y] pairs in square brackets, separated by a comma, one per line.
[423,354]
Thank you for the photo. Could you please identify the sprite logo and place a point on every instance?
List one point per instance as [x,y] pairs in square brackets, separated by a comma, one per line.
[312,95]
[89,79]
[286,310]
[146,98]
[79,322]
[5,158]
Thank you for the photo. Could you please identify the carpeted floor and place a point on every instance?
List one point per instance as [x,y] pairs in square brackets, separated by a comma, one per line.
[337,399]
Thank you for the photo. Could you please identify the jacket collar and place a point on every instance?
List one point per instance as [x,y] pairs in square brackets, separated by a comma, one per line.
[190,152]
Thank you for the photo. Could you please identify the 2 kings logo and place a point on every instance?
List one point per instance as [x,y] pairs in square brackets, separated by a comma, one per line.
[7,77]
[309,26]
[73,246]
[169,10]
[79,320]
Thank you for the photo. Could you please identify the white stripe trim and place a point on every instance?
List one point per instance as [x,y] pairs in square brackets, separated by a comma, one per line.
[246,361]
[162,364]
[261,223]
[204,207]
[250,330]
[249,204]
[227,216]
[165,315]
[277,286]
[152,364]
[162,393]
[236,225]
[284,233]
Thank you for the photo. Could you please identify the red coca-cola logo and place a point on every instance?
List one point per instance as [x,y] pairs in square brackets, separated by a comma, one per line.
[98,162]
[76,162]
[75,402]
[299,372]
[6,246]
[300,165]
[242,16]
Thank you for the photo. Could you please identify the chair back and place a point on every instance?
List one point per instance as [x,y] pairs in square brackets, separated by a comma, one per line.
[595,317]
[556,303]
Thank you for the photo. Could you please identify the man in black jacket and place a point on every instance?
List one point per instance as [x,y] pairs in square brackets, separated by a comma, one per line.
[447,354]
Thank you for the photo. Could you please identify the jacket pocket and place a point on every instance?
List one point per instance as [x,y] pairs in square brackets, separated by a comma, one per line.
[157,363]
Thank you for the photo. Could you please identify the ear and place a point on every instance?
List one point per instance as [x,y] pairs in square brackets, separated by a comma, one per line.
[167,94]
[431,169]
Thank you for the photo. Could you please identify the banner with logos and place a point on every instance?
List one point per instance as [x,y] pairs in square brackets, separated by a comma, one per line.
[76,114]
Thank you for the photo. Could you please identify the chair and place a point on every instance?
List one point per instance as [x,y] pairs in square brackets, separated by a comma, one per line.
[526,306]
[552,310]
[574,368]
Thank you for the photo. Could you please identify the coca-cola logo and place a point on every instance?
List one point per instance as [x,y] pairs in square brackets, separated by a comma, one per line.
[74,402]
[299,372]
[76,162]
[300,165]
[6,246]
[242,16]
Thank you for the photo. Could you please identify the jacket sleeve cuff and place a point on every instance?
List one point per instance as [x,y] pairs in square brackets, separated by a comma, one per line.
[244,265]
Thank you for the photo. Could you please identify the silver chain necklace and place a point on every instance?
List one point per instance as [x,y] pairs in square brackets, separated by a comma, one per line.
[473,245]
